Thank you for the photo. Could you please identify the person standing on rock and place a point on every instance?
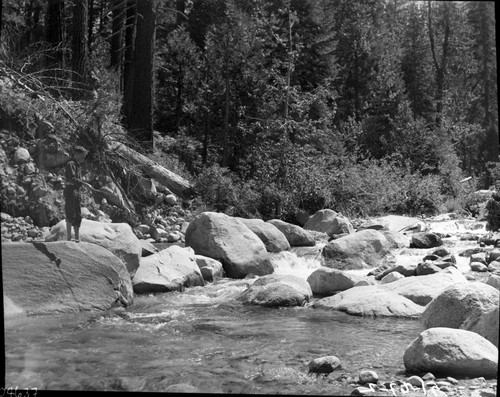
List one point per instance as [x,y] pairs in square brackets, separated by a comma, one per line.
[72,197]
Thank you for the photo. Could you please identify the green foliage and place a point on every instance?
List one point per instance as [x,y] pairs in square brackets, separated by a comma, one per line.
[216,187]
[274,107]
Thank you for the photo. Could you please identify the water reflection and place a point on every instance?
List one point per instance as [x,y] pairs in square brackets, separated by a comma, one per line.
[167,339]
[203,340]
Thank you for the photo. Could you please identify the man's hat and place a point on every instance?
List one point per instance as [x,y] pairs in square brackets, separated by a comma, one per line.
[81,149]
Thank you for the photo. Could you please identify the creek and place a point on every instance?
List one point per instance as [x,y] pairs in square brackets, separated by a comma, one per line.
[203,340]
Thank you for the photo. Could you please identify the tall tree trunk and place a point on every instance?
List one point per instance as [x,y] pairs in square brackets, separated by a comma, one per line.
[225,138]
[140,118]
[1,17]
[488,77]
[79,47]
[180,6]
[356,83]
[128,65]
[91,20]
[178,100]
[118,24]
[288,75]
[440,66]
[54,33]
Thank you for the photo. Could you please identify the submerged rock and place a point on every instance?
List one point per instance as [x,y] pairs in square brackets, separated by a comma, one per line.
[448,351]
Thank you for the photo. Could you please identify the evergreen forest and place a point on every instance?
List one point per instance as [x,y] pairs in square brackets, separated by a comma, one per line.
[267,107]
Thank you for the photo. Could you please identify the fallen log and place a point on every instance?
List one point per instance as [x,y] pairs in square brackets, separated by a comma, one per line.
[175,183]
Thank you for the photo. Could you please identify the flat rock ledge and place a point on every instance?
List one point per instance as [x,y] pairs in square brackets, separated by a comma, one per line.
[371,301]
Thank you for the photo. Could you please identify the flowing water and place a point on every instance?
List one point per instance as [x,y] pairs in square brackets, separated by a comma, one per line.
[204,340]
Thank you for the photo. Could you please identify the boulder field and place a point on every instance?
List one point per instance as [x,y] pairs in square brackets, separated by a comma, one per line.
[358,273]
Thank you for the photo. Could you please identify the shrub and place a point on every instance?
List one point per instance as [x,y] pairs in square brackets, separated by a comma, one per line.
[216,187]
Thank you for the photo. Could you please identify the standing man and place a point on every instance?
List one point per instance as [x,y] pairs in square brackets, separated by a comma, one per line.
[72,197]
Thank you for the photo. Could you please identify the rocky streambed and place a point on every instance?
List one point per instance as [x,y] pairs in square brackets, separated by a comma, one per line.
[428,273]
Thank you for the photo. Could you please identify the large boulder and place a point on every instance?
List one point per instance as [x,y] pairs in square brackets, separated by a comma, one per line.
[228,240]
[271,236]
[327,281]
[396,239]
[116,237]
[425,240]
[296,236]
[172,269]
[361,250]
[321,221]
[400,223]
[211,269]
[277,290]
[426,268]
[148,248]
[370,300]
[494,281]
[451,352]
[423,289]
[329,222]
[63,276]
[405,269]
[484,324]
[391,277]
[462,305]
